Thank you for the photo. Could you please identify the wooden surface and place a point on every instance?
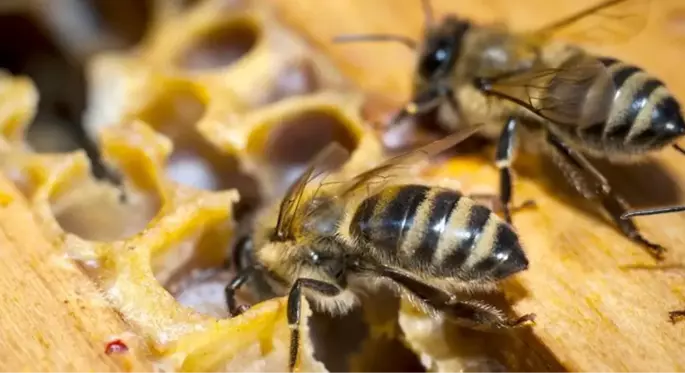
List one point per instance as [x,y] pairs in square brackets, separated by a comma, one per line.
[601,302]
[53,318]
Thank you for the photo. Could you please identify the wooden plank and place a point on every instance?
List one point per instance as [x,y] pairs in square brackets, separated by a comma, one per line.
[53,318]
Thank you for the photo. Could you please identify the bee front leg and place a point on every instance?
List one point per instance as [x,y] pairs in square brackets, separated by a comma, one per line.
[504,154]
[238,281]
[294,311]
[591,184]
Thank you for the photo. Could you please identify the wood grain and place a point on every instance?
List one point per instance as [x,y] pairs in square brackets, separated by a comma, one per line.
[602,303]
[53,317]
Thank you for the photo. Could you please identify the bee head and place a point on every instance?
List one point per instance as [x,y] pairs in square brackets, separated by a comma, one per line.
[441,48]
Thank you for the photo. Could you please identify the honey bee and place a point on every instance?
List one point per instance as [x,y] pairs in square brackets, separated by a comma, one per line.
[554,96]
[330,241]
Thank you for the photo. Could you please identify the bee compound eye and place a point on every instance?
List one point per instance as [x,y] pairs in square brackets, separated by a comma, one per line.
[437,57]
[433,61]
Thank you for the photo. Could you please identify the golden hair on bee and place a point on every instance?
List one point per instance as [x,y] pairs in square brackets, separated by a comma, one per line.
[540,91]
[331,241]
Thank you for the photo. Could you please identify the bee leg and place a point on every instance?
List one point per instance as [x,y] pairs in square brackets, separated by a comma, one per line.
[294,308]
[474,314]
[675,316]
[99,167]
[480,315]
[240,253]
[504,154]
[616,207]
[591,184]
[238,281]
[493,201]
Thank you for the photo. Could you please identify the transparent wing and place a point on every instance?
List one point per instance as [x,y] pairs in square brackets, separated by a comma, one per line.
[327,159]
[578,93]
[318,211]
[380,175]
[608,22]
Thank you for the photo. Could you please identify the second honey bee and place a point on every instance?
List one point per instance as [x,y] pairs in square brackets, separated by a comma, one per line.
[554,96]
[331,241]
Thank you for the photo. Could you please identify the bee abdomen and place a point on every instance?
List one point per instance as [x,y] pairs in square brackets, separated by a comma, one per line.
[477,244]
[384,219]
[438,232]
[643,114]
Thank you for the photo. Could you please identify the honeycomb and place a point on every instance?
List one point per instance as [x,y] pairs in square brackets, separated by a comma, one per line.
[209,118]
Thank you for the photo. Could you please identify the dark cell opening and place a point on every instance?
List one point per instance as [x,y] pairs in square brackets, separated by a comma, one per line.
[220,46]
[295,141]
[127,20]
[194,161]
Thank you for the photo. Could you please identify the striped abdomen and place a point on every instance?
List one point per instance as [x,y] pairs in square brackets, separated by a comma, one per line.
[436,231]
[643,114]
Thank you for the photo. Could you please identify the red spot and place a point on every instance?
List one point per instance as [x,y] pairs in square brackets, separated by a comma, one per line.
[117,346]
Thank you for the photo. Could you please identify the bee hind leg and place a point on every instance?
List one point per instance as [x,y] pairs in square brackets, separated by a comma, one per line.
[616,207]
[480,315]
[471,313]
[676,316]
[294,311]
[592,185]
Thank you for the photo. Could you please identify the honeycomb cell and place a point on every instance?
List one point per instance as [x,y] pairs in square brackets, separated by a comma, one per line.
[178,219]
[195,161]
[109,16]
[202,290]
[221,45]
[174,110]
[295,141]
[96,212]
[202,247]
[277,141]
[299,78]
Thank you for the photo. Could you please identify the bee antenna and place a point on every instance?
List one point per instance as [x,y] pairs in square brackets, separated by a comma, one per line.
[679,148]
[428,16]
[352,38]
[652,211]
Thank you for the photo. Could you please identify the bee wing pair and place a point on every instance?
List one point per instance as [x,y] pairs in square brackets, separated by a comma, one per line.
[331,156]
[566,94]
[577,93]
[367,181]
